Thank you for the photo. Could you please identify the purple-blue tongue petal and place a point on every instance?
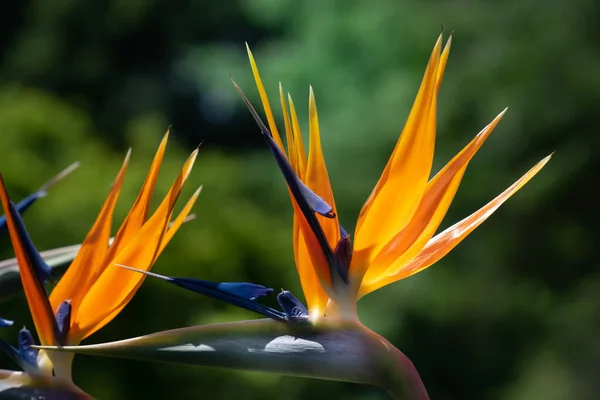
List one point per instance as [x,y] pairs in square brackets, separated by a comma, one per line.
[24,204]
[306,198]
[42,270]
[290,305]
[63,320]
[315,202]
[25,356]
[5,323]
[308,201]
[27,353]
[343,233]
[343,256]
[244,290]
[239,294]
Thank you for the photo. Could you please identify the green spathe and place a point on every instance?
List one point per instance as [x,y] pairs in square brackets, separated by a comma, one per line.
[331,349]
[21,386]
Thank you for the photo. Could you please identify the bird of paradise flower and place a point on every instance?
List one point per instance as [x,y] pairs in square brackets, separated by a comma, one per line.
[91,293]
[394,239]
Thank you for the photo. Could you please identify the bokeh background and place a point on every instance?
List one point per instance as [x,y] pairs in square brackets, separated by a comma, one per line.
[512,313]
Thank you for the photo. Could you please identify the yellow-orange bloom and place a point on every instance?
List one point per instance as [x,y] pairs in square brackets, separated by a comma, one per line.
[93,289]
[394,236]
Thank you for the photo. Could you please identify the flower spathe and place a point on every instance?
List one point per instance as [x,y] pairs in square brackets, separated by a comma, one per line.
[394,235]
[93,291]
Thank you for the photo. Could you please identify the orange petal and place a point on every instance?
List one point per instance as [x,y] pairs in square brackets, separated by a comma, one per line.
[445,241]
[316,298]
[396,196]
[317,178]
[292,154]
[139,211]
[43,318]
[309,259]
[116,286]
[79,276]
[298,145]
[443,62]
[265,100]
[439,193]
[181,218]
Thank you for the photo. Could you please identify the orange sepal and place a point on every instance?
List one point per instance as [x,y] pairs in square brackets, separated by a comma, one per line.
[438,196]
[298,144]
[311,265]
[139,211]
[43,318]
[115,287]
[445,241]
[317,178]
[79,277]
[265,100]
[398,192]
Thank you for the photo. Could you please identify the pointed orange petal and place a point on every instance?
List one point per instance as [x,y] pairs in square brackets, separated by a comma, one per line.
[443,62]
[316,298]
[116,286]
[79,276]
[396,196]
[265,100]
[181,218]
[316,175]
[292,154]
[298,142]
[43,318]
[445,241]
[440,191]
[139,211]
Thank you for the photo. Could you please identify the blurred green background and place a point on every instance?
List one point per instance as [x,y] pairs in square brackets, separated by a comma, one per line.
[512,313]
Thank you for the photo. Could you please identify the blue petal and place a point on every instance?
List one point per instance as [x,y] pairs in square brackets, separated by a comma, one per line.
[315,202]
[25,356]
[343,256]
[343,233]
[24,204]
[42,270]
[244,290]
[301,192]
[239,294]
[27,353]
[5,323]
[291,306]
[21,207]
[63,320]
